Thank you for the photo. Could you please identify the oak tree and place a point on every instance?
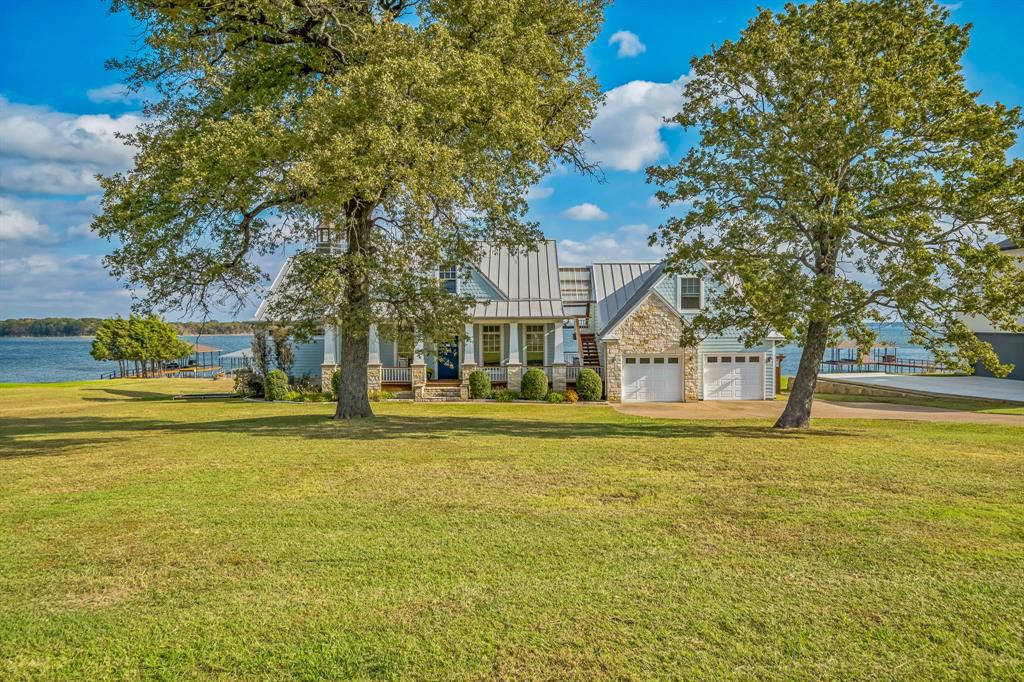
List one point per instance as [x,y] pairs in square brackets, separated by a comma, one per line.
[846,174]
[399,134]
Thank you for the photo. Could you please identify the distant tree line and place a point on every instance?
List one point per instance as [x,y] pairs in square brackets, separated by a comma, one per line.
[87,326]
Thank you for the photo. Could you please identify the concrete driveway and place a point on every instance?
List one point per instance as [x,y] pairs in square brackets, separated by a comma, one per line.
[944,386]
[826,409]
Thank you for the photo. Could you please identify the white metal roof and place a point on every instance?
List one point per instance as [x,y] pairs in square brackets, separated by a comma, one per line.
[527,279]
[616,284]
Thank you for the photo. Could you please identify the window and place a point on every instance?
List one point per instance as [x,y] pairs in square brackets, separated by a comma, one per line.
[689,293]
[711,358]
[490,342]
[404,348]
[630,361]
[659,361]
[726,358]
[753,358]
[645,361]
[449,279]
[739,358]
[673,361]
[535,345]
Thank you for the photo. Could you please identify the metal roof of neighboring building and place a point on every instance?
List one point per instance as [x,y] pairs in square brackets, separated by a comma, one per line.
[527,279]
[1006,245]
[617,284]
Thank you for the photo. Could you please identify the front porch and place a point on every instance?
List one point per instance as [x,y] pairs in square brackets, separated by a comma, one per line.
[505,350]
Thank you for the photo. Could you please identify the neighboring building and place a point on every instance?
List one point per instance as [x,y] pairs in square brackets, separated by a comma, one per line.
[624,320]
[1008,346]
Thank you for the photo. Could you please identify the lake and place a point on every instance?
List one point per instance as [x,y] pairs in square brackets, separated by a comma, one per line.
[29,360]
[66,358]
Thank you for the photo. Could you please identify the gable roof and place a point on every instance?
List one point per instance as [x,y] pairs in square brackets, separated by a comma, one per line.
[620,286]
[528,281]
[1006,245]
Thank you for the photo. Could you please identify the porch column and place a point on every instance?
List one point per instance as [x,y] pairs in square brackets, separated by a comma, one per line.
[558,362]
[373,367]
[515,366]
[330,360]
[513,344]
[418,370]
[374,341]
[468,358]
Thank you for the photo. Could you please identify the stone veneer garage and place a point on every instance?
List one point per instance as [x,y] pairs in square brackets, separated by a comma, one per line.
[651,330]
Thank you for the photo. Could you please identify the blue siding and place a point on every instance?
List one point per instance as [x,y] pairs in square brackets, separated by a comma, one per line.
[667,287]
[479,288]
[308,357]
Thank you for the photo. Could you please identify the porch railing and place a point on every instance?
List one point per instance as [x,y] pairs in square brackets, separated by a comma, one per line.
[572,372]
[395,375]
[496,374]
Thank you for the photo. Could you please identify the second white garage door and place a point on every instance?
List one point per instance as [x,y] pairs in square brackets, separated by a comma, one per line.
[733,377]
[651,379]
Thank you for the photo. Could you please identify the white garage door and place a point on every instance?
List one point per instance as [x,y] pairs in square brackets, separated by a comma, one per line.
[651,379]
[733,377]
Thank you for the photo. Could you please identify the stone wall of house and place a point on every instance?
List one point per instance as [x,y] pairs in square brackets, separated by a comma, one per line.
[652,329]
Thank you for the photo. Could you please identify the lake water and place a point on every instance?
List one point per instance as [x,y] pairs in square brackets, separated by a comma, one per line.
[36,359]
[67,358]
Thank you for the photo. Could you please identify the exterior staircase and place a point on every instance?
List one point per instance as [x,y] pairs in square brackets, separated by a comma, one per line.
[588,350]
[441,394]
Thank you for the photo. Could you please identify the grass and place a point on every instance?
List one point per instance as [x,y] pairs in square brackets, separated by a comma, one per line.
[143,537]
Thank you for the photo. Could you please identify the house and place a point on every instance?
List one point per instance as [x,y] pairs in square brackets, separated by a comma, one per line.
[623,320]
[1009,346]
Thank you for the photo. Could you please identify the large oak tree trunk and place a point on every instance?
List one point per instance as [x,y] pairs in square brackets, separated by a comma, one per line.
[353,398]
[797,414]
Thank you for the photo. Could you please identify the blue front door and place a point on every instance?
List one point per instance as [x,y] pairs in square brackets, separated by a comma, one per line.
[448,360]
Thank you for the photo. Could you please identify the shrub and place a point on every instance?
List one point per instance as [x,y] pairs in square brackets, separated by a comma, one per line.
[276,385]
[571,396]
[505,396]
[335,384]
[556,397]
[588,384]
[248,384]
[479,384]
[379,395]
[305,385]
[294,396]
[535,384]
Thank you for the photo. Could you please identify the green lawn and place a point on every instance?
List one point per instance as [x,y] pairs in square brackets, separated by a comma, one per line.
[143,537]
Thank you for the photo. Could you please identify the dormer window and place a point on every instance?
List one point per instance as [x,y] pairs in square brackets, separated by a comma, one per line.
[449,279]
[690,293]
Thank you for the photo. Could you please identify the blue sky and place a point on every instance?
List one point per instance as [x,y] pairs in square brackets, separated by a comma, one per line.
[59,109]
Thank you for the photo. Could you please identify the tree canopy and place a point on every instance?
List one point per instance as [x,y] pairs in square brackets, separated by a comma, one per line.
[147,342]
[845,174]
[402,133]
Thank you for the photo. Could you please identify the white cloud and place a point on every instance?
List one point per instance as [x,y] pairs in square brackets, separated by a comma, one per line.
[628,42]
[115,92]
[18,226]
[627,243]
[82,231]
[49,152]
[626,133]
[585,211]
[47,177]
[539,193]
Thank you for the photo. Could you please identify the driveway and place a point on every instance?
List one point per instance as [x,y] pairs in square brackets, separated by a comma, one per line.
[826,409]
[1009,390]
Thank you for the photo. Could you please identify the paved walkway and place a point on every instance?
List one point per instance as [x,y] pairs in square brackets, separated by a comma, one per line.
[826,409]
[958,387]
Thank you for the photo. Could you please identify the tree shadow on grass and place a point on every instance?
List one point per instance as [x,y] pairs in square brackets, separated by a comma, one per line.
[30,437]
[121,393]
